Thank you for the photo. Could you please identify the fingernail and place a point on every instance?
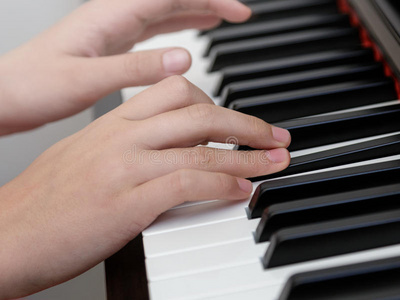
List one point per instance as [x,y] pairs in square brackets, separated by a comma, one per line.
[245,185]
[278,155]
[175,61]
[281,135]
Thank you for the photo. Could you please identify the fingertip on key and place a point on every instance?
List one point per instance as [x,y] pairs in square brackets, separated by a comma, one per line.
[279,155]
[176,61]
[245,185]
[281,135]
[241,12]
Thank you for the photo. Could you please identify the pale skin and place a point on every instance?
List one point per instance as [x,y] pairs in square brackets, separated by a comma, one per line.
[83,199]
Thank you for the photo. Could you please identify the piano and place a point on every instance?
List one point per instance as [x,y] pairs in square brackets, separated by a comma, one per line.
[328,227]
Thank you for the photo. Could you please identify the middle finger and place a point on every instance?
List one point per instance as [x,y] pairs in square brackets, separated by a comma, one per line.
[236,163]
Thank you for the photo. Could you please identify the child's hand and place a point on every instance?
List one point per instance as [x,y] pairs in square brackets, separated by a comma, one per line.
[82,58]
[88,195]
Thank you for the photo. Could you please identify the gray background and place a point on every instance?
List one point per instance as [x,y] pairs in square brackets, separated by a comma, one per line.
[20,20]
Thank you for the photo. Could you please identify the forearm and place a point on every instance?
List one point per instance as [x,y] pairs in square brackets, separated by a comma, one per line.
[39,246]
[18,243]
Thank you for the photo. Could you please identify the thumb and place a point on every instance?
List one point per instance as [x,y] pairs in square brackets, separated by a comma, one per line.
[110,73]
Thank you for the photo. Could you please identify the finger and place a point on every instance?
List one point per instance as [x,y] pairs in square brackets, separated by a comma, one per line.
[198,123]
[107,74]
[180,22]
[172,93]
[236,163]
[186,185]
[230,10]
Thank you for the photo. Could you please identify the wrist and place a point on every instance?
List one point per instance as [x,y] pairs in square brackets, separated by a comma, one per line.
[8,111]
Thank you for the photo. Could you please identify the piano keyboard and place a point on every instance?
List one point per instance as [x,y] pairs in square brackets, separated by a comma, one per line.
[300,65]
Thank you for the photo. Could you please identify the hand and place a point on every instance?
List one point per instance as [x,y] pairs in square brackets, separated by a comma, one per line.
[80,60]
[88,195]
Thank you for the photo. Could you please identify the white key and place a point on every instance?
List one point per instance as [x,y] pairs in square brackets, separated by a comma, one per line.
[195,45]
[265,293]
[251,276]
[203,260]
[197,215]
[199,237]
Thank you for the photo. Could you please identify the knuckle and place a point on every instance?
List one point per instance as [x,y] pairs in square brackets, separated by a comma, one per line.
[250,161]
[258,162]
[180,84]
[258,126]
[205,157]
[133,66]
[201,112]
[224,182]
[182,181]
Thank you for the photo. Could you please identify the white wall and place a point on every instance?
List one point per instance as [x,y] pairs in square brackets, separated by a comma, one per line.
[20,20]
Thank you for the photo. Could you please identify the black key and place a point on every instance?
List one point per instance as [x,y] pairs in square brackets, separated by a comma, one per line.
[324,183]
[377,148]
[325,239]
[321,130]
[272,10]
[327,208]
[293,64]
[268,28]
[305,102]
[372,280]
[283,45]
[250,1]
[301,80]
